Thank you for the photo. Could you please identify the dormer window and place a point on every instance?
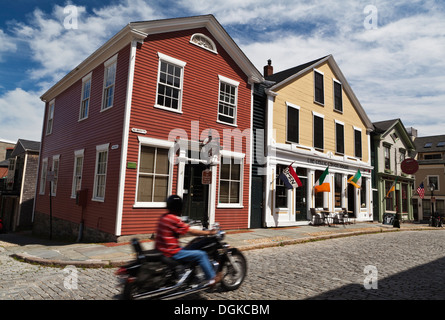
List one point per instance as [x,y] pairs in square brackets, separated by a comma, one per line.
[204,42]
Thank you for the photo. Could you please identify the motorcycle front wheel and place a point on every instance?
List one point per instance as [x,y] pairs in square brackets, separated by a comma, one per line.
[234,277]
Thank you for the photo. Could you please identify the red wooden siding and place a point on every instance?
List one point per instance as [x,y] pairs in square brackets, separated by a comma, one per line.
[69,134]
[199,103]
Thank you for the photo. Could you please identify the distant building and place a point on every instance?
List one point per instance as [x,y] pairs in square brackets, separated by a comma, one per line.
[17,196]
[431,158]
[391,145]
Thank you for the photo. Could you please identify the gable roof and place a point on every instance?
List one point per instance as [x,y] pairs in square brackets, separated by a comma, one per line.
[284,77]
[139,31]
[23,146]
[384,128]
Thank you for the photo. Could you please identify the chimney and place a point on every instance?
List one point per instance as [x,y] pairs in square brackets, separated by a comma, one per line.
[268,70]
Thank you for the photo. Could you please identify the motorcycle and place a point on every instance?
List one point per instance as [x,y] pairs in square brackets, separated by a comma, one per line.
[155,276]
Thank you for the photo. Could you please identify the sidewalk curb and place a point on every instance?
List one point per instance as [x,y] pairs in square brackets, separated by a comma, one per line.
[268,243]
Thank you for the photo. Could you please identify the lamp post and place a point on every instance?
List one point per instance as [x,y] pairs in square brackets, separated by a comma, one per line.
[432,187]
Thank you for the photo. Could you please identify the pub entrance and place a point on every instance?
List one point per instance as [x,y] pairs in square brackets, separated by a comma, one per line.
[196,194]
[300,196]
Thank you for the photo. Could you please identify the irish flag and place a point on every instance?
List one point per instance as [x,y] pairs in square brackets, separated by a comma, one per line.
[320,185]
[354,180]
[392,189]
[290,178]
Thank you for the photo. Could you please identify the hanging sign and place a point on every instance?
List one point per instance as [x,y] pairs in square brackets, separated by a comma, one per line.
[206,177]
[409,166]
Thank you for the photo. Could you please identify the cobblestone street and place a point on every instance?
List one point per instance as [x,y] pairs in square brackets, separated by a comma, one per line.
[405,265]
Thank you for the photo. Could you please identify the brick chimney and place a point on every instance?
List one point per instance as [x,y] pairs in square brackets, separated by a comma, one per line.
[268,70]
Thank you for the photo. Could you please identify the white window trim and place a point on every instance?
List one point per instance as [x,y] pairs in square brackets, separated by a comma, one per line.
[85,79]
[438,182]
[232,83]
[361,135]
[291,105]
[324,100]
[43,174]
[49,129]
[156,143]
[333,95]
[207,38]
[77,154]
[100,148]
[56,177]
[240,157]
[179,63]
[344,146]
[108,63]
[316,114]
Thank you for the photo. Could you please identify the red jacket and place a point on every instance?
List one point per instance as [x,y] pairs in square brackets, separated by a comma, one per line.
[170,227]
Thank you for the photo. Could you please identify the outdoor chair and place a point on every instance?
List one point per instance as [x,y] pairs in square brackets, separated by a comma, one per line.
[315,218]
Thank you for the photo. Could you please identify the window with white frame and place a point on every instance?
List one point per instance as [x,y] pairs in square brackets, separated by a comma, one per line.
[85,100]
[43,175]
[358,142]
[100,174]
[293,123]
[230,181]
[338,99]
[318,131]
[154,173]
[170,79]
[227,102]
[50,117]
[109,83]
[339,137]
[203,41]
[77,173]
[318,87]
[55,174]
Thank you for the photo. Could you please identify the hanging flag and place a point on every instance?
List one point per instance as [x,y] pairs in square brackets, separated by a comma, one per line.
[393,188]
[290,178]
[421,191]
[354,180]
[320,185]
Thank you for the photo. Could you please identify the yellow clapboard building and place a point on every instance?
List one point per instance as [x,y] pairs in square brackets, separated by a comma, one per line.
[316,124]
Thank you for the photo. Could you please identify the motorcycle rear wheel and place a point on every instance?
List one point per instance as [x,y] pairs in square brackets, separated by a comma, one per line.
[232,279]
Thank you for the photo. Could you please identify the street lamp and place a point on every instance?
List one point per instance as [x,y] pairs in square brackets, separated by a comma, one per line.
[432,187]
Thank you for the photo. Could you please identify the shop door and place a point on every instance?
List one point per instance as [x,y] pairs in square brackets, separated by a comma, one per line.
[195,193]
[351,199]
[301,201]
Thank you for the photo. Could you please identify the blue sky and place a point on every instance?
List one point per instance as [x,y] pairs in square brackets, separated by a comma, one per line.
[394,62]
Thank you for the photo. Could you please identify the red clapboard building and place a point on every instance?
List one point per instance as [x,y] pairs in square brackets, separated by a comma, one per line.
[164,107]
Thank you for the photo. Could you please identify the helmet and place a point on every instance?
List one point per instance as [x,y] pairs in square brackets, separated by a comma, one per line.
[174,204]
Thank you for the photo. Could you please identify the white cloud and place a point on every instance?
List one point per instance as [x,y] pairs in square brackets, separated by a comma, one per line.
[21,115]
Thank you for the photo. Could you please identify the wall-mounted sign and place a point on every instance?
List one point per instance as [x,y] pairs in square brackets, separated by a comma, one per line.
[136,130]
[206,177]
[131,165]
[409,166]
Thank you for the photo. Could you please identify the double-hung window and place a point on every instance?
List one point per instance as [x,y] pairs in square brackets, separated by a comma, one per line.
[358,142]
[55,173]
[77,174]
[109,83]
[170,79]
[100,172]
[43,175]
[154,173]
[318,87]
[85,101]
[318,131]
[50,118]
[227,102]
[293,121]
[230,181]
[339,137]
[338,99]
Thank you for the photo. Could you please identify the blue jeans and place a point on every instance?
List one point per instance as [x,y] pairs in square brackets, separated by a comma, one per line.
[197,256]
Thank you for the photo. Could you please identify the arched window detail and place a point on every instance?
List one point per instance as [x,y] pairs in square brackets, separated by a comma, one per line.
[203,41]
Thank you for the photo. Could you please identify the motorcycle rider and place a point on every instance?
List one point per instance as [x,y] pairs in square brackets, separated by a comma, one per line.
[170,227]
